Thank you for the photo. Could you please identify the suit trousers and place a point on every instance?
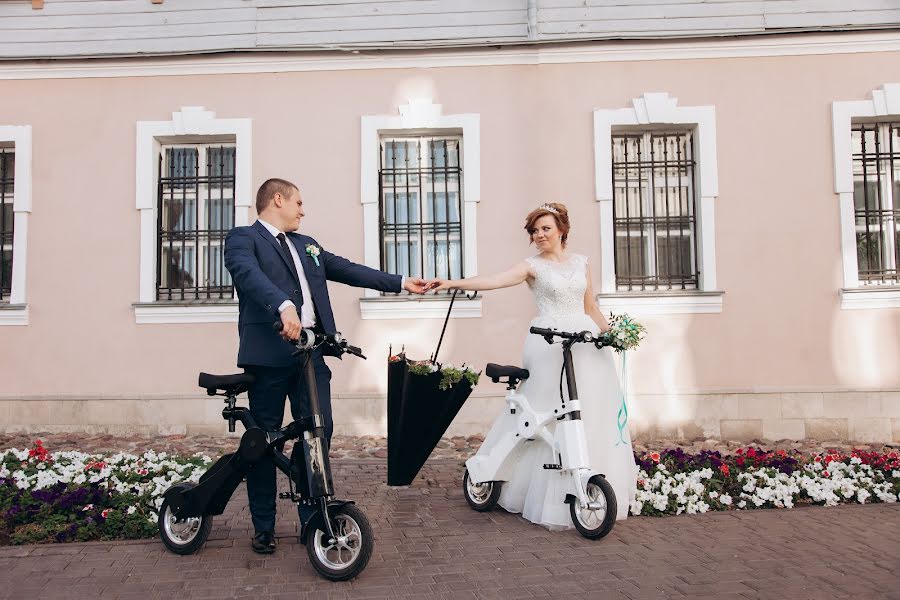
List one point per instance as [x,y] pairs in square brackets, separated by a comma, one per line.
[267,400]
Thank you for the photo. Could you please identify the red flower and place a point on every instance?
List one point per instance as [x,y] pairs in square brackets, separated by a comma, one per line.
[654,456]
[740,461]
[825,474]
[725,470]
[739,451]
[781,453]
[751,452]
[104,513]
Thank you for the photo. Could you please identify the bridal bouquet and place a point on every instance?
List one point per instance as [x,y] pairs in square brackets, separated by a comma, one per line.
[624,333]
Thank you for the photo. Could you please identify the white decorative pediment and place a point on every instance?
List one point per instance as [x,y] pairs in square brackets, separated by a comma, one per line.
[655,107]
[886,101]
[192,120]
[420,113]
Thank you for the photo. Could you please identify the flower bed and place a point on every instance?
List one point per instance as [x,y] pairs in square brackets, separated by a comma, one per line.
[73,496]
[673,482]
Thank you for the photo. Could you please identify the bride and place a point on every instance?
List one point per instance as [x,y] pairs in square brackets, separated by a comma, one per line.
[561,284]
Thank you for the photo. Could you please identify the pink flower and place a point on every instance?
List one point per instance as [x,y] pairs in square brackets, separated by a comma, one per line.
[104,513]
[654,456]
[87,508]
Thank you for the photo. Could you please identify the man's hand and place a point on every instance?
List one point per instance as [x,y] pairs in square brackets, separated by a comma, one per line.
[290,322]
[415,285]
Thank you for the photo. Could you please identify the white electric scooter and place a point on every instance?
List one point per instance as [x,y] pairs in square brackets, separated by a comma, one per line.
[591,500]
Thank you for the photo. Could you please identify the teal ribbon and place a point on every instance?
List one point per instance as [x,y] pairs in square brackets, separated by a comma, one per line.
[622,417]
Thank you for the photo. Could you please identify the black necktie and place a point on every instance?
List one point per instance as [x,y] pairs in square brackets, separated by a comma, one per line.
[288,256]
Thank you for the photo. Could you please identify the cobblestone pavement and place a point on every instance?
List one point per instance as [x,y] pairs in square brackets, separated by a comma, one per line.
[430,544]
[459,448]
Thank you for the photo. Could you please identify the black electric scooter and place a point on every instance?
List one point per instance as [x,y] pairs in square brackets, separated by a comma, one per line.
[337,535]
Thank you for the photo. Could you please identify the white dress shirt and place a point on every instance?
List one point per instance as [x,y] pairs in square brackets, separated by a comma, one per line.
[308,310]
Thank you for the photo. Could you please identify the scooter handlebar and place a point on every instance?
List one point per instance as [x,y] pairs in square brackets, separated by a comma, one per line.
[582,336]
[309,340]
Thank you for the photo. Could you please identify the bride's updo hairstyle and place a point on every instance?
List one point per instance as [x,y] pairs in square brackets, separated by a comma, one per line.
[560,214]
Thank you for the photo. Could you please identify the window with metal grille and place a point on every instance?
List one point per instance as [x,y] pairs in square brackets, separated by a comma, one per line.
[420,206]
[7,185]
[876,200]
[195,208]
[654,211]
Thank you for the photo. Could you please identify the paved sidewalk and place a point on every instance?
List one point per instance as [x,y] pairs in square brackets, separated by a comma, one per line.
[429,544]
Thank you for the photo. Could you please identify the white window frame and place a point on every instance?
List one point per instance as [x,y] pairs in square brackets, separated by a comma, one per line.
[884,104]
[420,117]
[652,110]
[15,312]
[192,124]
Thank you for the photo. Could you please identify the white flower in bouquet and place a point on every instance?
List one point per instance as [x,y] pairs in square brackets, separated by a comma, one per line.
[624,333]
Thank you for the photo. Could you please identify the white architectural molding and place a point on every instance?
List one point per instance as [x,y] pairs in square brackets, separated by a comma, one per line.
[607,51]
[16,311]
[885,102]
[661,304]
[161,313]
[658,109]
[197,123]
[418,308]
[418,115]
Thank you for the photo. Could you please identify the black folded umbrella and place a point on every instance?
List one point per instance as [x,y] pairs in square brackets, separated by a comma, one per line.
[418,413]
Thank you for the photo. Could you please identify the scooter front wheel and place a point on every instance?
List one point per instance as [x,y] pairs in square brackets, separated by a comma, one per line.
[182,536]
[594,522]
[348,554]
[481,496]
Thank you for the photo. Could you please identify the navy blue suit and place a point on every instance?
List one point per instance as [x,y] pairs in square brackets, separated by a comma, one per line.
[264,280]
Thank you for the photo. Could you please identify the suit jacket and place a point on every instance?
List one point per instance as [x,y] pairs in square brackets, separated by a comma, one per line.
[264,280]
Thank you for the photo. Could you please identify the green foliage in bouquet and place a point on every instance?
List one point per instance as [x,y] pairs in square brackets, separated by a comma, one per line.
[624,333]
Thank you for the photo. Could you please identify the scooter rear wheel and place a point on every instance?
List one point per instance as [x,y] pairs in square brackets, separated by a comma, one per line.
[184,536]
[481,496]
[345,557]
[595,523]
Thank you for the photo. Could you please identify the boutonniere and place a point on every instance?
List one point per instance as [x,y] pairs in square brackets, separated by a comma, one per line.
[313,252]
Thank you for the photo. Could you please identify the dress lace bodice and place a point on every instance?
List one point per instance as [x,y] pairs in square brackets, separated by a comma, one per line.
[559,287]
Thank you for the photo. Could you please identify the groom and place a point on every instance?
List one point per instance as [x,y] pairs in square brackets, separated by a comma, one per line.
[282,275]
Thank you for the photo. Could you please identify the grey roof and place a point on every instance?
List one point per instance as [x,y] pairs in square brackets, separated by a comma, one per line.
[98,28]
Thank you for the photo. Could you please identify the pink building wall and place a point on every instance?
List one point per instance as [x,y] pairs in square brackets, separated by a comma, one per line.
[781,331]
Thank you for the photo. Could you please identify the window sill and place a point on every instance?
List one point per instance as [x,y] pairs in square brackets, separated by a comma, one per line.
[870,297]
[662,303]
[418,308]
[186,312]
[13,314]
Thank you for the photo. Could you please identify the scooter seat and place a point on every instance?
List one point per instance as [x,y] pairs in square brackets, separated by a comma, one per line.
[236,383]
[495,372]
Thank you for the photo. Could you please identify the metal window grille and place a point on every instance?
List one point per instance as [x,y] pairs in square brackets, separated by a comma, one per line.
[654,208]
[420,204]
[876,200]
[7,218]
[195,208]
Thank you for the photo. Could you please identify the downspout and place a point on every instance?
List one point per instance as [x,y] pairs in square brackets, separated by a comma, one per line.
[532,20]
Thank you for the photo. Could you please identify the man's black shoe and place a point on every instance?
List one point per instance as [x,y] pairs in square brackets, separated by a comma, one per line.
[264,543]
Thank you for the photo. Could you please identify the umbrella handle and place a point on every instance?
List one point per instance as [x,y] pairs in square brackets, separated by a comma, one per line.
[446,320]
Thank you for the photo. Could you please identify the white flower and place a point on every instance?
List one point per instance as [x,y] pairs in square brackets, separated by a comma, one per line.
[742,504]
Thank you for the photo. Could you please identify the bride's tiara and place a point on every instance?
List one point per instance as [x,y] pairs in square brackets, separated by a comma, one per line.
[549,208]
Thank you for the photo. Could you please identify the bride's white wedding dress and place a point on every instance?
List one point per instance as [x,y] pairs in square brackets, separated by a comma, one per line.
[536,492]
